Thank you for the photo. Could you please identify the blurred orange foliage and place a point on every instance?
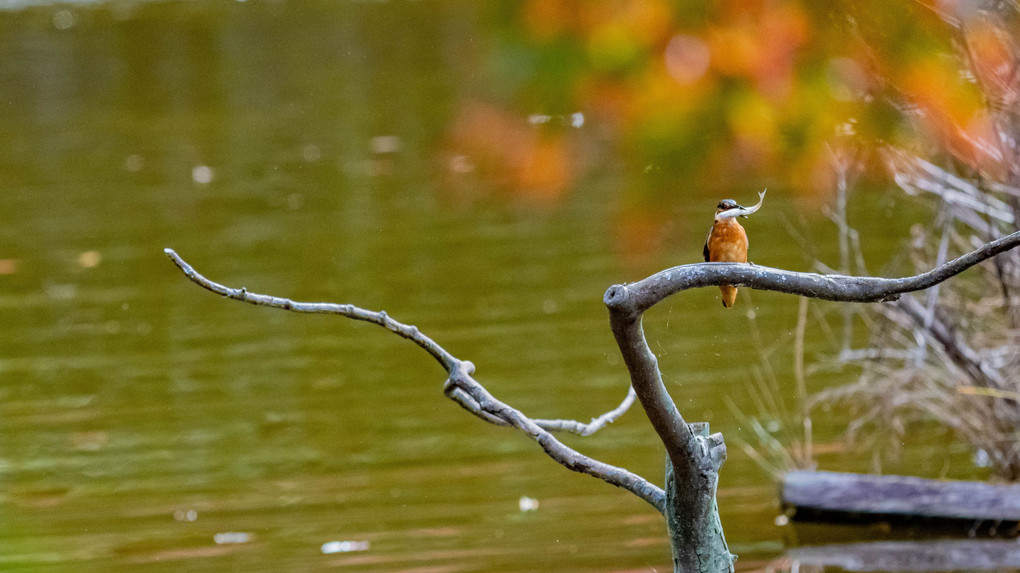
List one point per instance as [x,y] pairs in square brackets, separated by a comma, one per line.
[509,154]
[706,96]
[755,89]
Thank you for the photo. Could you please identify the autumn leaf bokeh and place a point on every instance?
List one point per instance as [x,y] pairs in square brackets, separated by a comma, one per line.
[704,97]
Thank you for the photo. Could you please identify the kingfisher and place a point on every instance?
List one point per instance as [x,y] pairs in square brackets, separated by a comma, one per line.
[727,240]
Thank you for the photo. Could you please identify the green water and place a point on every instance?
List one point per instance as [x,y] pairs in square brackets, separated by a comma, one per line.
[304,149]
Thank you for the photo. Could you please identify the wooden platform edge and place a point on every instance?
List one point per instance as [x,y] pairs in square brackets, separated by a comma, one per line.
[820,492]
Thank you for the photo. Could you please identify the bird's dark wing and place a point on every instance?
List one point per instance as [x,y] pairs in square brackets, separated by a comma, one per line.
[705,250]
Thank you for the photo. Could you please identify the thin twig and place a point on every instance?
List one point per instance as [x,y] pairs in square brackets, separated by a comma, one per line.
[596,424]
[802,395]
[914,174]
[445,359]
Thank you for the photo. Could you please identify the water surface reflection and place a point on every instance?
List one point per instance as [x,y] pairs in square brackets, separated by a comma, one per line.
[331,151]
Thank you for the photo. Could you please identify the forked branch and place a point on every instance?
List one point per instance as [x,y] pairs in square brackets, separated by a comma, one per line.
[462,388]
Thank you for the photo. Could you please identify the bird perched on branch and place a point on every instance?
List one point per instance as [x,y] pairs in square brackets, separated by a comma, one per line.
[727,240]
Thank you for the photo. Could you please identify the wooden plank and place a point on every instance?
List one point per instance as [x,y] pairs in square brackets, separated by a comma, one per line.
[941,555]
[900,495]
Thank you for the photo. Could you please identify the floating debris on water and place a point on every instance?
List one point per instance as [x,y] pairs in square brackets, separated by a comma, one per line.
[202,174]
[527,504]
[188,515]
[232,537]
[344,546]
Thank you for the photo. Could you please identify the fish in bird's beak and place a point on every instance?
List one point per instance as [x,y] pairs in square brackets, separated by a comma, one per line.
[739,211]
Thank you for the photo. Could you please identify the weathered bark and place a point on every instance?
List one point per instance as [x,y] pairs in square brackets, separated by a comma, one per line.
[695,531]
[845,493]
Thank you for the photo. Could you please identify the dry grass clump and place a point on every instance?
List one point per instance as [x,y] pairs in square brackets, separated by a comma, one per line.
[952,353]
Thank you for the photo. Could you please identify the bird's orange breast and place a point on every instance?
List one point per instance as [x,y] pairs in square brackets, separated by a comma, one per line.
[727,243]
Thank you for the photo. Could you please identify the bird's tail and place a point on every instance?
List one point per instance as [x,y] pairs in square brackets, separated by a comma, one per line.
[729,295]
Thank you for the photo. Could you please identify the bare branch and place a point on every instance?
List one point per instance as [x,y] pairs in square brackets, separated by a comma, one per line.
[445,359]
[966,358]
[566,456]
[596,424]
[462,388]
[635,298]
[628,302]
[967,201]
